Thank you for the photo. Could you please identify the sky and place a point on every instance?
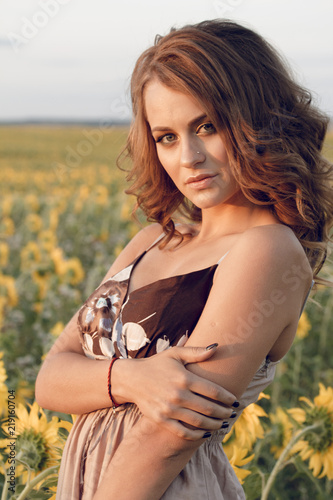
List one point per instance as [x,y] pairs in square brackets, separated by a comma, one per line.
[72,59]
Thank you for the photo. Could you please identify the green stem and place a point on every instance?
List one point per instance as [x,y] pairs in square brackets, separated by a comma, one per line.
[297,366]
[279,464]
[325,324]
[276,389]
[30,486]
[314,480]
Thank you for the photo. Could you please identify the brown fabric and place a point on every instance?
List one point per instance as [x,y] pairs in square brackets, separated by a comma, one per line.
[147,321]
[154,317]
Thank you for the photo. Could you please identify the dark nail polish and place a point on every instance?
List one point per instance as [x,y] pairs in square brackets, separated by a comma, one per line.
[235,404]
[207,435]
[233,415]
[211,346]
[224,425]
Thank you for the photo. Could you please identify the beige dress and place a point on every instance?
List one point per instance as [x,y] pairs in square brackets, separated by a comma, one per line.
[149,320]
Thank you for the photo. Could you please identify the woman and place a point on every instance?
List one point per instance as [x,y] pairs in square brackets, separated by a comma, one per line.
[222,134]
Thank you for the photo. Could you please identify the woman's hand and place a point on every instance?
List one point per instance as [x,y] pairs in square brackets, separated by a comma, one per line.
[169,394]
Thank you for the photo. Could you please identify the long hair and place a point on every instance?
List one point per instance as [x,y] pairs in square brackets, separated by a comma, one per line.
[272,131]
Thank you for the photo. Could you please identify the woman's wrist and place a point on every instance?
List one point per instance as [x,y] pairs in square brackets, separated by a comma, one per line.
[109,389]
[121,380]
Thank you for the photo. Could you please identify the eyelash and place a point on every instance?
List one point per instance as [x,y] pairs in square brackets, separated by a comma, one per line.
[160,139]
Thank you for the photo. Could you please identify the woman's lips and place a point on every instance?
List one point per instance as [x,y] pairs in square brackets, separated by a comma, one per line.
[200,181]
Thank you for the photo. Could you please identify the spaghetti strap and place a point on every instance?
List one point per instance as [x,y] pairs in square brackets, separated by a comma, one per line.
[154,242]
[220,260]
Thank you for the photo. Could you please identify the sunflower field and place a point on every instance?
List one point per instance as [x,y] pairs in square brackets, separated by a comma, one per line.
[64,217]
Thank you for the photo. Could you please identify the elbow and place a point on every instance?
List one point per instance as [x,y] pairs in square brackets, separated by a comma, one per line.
[40,391]
[180,446]
[43,391]
[174,445]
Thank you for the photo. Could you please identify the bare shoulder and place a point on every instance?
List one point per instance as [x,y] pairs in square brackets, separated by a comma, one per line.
[274,242]
[271,253]
[138,244]
[144,238]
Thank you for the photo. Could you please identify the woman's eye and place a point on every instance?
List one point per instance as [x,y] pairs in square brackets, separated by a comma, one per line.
[165,139]
[206,128]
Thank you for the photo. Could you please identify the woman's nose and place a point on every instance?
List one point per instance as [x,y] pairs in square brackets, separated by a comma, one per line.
[191,154]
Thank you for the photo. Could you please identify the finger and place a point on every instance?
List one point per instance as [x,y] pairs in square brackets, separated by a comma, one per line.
[203,406]
[210,390]
[183,432]
[197,420]
[193,354]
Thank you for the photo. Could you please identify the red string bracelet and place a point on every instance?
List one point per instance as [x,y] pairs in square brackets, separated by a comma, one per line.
[114,405]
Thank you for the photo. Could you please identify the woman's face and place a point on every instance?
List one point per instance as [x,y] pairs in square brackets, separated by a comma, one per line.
[189,146]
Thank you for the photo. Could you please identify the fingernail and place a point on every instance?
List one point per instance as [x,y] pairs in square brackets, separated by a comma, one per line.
[207,435]
[224,425]
[211,346]
[235,404]
[233,415]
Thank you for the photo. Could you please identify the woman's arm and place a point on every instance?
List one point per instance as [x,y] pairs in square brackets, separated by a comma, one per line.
[254,304]
[70,382]
[146,463]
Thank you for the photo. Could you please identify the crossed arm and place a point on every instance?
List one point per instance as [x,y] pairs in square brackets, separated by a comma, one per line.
[252,274]
[252,308]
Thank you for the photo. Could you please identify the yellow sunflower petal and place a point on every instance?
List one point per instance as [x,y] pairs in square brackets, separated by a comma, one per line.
[327,461]
[325,397]
[315,463]
[307,452]
[307,401]
[66,425]
[262,395]
[297,414]
[298,446]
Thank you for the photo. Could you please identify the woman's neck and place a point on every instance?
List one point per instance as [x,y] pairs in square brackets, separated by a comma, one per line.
[230,219]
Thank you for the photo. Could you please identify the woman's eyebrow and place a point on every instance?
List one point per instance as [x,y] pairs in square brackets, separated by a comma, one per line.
[192,123]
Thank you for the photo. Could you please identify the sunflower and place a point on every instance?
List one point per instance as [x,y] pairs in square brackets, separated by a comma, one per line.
[248,428]
[317,444]
[57,329]
[237,457]
[8,295]
[38,442]
[127,208]
[7,226]
[8,289]
[101,195]
[3,387]
[284,431]
[7,204]
[42,281]
[30,254]
[47,239]
[304,326]
[32,202]
[34,222]
[58,261]
[4,253]
[84,192]
[23,392]
[73,271]
[54,219]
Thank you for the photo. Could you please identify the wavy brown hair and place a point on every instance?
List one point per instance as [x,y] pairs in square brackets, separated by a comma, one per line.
[273,132]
